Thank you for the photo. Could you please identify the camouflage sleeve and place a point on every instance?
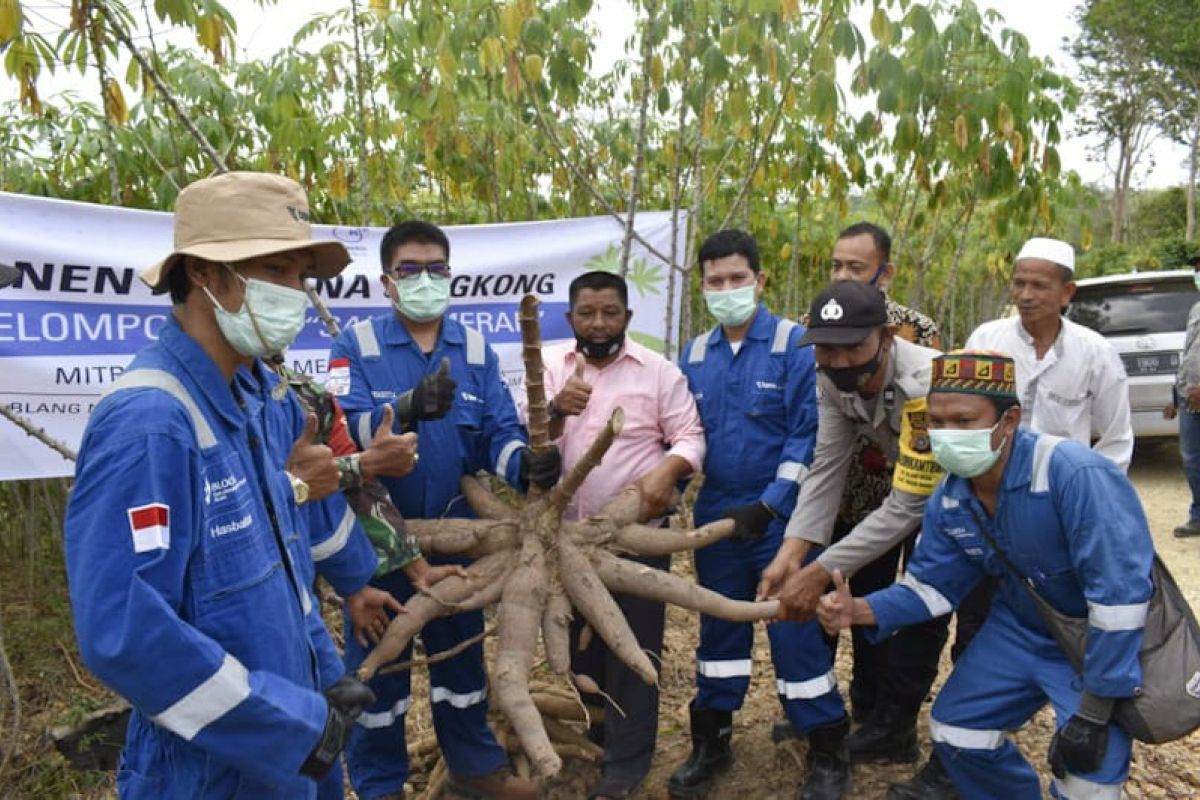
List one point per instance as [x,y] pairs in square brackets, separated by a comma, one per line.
[394,546]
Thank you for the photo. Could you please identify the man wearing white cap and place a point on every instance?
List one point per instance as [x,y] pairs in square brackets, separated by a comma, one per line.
[1070,380]
[187,555]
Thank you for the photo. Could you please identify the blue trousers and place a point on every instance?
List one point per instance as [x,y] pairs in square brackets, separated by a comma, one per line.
[801,655]
[1189,449]
[377,755]
[1006,676]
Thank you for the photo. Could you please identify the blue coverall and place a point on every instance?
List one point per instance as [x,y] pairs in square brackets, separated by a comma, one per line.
[1070,520]
[187,561]
[341,552]
[759,409]
[481,431]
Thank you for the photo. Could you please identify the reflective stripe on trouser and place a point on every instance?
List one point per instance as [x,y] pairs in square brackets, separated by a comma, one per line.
[376,756]
[1007,675]
[802,658]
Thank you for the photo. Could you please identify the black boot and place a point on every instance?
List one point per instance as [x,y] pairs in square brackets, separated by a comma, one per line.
[931,783]
[888,736]
[828,763]
[711,754]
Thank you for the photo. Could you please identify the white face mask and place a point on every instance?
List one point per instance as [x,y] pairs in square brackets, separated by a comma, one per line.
[732,307]
[966,453]
[270,319]
[422,298]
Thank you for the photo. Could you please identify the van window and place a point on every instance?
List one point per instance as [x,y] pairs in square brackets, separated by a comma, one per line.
[1120,309]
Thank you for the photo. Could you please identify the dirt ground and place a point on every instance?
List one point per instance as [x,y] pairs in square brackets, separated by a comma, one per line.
[763,770]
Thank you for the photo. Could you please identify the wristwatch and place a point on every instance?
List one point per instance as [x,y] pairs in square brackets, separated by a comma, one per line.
[299,489]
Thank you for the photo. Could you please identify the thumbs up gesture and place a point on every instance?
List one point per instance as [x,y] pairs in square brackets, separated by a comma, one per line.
[389,453]
[431,398]
[574,396]
[312,462]
[835,610]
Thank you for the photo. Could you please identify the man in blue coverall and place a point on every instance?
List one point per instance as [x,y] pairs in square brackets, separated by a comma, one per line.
[444,379]
[756,391]
[1066,518]
[187,557]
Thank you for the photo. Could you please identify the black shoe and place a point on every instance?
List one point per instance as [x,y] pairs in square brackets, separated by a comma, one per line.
[828,763]
[931,783]
[1192,528]
[861,712]
[886,737]
[711,754]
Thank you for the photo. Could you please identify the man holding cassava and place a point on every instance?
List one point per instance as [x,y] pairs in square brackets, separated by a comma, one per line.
[441,379]
[755,387]
[661,443]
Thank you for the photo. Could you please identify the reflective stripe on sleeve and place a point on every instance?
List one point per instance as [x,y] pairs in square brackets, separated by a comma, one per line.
[440,694]
[364,334]
[966,738]
[790,471]
[383,719]
[809,689]
[506,455]
[782,332]
[1075,788]
[208,702]
[735,668]
[476,347]
[334,544]
[934,601]
[365,434]
[1129,617]
[165,381]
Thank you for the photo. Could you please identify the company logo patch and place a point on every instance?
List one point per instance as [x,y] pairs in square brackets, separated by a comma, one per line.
[220,490]
[832,311]
[150,526]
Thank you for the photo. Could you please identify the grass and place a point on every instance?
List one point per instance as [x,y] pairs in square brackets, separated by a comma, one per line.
[35,612]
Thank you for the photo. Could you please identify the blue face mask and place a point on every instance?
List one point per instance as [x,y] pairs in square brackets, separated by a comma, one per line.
[965,453]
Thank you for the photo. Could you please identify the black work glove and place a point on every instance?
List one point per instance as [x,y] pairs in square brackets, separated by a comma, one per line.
[338,726]
[1078,747]
[750,521]
[350,696]
[431,398]
[541,469]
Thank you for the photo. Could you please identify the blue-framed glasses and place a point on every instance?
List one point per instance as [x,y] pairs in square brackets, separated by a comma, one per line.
[411,269]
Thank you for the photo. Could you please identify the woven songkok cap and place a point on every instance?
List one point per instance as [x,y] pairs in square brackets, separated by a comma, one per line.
[982,372]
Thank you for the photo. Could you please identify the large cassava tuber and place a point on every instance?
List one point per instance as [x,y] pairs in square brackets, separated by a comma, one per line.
[538,567]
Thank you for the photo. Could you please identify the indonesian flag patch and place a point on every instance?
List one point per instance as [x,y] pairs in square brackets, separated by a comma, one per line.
[150,526]
[337,383]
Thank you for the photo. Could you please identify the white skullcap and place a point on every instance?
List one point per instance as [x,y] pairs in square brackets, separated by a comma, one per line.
[1054,250]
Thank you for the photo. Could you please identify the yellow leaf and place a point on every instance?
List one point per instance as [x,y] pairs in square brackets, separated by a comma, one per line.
[985,159]
[1044,208]
[511,21]
[533,68]
[380,7]
[1085,236]
[1017,142]
[785,253]
[114,103]
[491,55]
[446,63]
[11,20]
[960,132]
[148,87]
[339,185]
[789,10]
[209,30]
[656,71]
[773,62]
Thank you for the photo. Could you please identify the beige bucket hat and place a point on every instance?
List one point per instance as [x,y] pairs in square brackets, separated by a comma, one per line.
[239,215]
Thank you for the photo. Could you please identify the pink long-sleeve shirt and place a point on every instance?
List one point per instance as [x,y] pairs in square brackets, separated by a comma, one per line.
[660,419]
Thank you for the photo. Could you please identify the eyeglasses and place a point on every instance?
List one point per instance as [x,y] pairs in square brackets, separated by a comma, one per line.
[411,269]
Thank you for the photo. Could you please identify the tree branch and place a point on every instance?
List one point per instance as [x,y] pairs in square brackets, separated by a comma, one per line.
[639,158]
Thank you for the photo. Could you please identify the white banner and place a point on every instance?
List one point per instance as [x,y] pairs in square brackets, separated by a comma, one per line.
[78,313]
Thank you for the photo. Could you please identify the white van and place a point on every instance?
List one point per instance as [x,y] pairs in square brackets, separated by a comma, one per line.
[1144,316]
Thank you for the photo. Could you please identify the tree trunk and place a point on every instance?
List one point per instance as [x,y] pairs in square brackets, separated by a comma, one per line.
[360,91]
[639,158]
[1193,157]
